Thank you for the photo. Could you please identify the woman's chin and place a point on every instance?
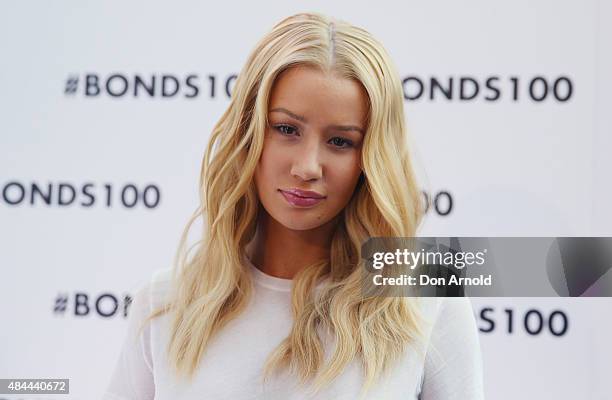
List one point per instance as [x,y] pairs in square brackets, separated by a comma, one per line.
[301,225]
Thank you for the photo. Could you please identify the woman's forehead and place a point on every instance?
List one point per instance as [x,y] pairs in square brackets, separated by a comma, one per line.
[309,94]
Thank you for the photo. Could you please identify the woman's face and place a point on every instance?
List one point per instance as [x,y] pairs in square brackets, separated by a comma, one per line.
[312,143]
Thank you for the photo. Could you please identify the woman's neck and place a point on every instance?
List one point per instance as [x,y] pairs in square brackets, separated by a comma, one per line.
[282,252]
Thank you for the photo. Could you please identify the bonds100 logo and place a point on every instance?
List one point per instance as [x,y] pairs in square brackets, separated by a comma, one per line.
[83,304]
[162,86]
[86,195]
[537,88]
[532,322]
[449,88]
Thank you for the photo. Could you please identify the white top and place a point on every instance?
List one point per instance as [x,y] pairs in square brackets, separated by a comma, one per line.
[231,367]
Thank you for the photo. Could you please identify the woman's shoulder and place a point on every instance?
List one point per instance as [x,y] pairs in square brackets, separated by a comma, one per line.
[159,286]
[455,309]
[449,312]
[152,292]
[160,278]
[444,318]
[434,306]
[453,367]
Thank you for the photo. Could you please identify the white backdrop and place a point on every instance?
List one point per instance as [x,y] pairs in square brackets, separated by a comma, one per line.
[528,155]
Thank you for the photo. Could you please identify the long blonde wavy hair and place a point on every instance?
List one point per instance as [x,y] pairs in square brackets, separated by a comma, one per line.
[211,284]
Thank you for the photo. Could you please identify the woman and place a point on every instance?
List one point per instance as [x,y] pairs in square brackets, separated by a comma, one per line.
[308,162]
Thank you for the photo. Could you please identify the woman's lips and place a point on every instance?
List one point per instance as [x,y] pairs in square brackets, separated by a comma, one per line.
[299,201]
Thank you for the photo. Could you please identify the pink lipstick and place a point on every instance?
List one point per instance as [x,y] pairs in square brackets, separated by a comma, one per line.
[302,198]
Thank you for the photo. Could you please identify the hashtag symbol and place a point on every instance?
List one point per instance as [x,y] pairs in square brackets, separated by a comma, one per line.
[71,84]
[60,303]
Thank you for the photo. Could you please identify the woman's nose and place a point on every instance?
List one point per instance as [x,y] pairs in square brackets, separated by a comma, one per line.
[306,162]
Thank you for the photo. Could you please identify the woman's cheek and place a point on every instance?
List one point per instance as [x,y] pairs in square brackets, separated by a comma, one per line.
[269,159]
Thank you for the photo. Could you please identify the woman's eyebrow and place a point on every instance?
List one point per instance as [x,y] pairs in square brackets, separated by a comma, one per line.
[302,119]
[289,113]
[347,128]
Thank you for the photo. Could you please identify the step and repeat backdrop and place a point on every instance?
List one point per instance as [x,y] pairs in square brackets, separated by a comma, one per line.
[106,109]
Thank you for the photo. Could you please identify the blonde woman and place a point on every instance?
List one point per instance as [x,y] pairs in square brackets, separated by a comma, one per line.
[309,161]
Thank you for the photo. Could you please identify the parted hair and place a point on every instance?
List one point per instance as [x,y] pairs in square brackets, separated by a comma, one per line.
[211,284]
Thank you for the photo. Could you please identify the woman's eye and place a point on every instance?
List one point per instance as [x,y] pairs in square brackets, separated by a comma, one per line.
[285,129]
[341,142]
